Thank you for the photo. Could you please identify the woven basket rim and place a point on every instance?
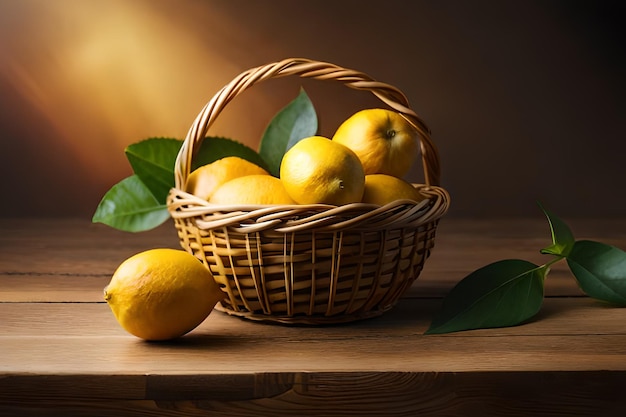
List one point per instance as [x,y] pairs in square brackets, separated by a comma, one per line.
[300,217]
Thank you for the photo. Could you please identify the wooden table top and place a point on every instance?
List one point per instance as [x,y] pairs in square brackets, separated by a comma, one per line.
[62,352]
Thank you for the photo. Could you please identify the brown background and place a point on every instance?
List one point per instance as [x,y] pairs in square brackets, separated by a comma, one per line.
[525,98]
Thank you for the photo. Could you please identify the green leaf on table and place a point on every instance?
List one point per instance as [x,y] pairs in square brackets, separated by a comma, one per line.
[600,270]
[294,122]
[214,148]
[153,162]
[501,294]
[130,206]
[562,236]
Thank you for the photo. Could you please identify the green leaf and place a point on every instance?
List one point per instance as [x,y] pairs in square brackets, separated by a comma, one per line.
[153,159]
[130,206]
[214,148]
[153,162]
[504,293]
[600,270]
[562,236]
[294,122]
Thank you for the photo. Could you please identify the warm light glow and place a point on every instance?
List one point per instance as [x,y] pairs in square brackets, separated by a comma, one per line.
[82,79]
[109,73]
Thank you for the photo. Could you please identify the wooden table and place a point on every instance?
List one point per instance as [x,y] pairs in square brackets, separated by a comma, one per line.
[62,353]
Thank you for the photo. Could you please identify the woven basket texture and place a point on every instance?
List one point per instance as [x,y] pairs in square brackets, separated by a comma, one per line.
[309,264]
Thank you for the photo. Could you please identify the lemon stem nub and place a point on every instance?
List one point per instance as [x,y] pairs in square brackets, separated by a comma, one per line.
[390,134]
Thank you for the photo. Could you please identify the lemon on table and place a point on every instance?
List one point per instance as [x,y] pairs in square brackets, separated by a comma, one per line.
[252,190]
[382,189]
[206,179]
[318,170]
[384,141]
[161,294]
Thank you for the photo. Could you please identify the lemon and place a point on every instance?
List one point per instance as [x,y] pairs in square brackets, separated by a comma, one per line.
[318,170]
[384,141]
[252,190]
[382,189]
[161,294]
[206,179]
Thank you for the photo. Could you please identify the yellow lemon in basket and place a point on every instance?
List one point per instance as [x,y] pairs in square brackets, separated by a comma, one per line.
[382,189]
[318,170]
[252,190]
[384,141]
[161,294]
[206,179]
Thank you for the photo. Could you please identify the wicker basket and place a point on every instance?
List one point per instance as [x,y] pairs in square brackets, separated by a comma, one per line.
[309,264]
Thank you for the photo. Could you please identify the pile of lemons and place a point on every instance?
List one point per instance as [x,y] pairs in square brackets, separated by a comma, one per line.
[365,161]
[162,294]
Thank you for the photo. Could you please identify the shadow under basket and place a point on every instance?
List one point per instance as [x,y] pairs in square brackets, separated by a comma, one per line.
[309,264]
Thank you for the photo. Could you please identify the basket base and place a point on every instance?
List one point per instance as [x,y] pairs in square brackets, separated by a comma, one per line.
[315,320]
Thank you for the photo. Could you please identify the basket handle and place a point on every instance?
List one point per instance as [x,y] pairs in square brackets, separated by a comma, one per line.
[305,68]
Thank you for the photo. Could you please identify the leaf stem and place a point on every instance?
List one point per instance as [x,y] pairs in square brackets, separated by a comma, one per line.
[547,265]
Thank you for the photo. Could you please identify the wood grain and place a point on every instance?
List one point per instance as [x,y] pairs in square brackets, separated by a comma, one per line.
[40,260]
[335,394]
[63,353]
[59,338]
